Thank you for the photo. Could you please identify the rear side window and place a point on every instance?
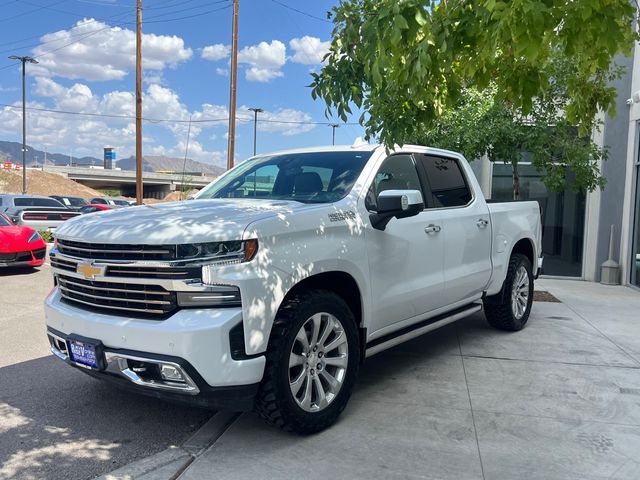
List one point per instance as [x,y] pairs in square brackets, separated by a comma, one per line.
[448,185]
[36,202]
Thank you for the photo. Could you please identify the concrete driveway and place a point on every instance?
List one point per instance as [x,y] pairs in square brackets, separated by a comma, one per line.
[559,400]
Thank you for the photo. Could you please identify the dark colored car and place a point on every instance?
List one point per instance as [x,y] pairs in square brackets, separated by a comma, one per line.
[35,211]
[72,203]
[109,201]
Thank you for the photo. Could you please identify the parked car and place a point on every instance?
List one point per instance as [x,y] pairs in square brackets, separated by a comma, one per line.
[109,201]
[35,211]
[98,207]
[72,203]
[270,288]
[20,246]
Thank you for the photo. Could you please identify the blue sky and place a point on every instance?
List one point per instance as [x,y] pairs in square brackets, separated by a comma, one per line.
[86,53]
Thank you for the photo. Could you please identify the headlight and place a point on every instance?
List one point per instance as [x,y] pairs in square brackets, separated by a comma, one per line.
[35,236]
[220,253]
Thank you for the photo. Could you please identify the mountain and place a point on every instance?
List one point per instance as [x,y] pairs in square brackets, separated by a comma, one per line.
[153,163]
[12,152]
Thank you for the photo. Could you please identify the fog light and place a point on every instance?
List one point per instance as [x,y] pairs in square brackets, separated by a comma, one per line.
[171,373]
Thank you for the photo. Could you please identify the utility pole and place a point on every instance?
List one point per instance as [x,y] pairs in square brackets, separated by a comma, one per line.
[139,193]
[24,60]
[333,133]
[233,81]
[255,126]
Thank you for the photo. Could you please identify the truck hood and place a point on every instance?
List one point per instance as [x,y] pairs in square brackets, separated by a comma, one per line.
[191,221]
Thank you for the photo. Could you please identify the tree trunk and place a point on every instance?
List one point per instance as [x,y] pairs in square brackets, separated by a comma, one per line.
[516,181]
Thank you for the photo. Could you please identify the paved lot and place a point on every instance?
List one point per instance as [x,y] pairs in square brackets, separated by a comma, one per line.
[58,423]
[559,400]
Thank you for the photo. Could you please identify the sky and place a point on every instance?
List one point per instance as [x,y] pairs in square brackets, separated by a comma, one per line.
[86,54]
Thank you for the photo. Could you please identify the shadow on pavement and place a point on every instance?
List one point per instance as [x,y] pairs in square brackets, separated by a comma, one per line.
[15,271]
[58,423]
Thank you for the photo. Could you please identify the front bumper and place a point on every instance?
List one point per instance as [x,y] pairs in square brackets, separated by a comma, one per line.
[196,338]
[119,368]
[28,258]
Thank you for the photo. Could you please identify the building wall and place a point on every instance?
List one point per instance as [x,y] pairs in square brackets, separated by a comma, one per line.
[616,139]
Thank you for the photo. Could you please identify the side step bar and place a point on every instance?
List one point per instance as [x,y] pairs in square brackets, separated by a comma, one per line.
[420,328]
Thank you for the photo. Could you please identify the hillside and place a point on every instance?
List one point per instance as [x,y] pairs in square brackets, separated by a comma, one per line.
[44,183]
[151,163]
[12,151]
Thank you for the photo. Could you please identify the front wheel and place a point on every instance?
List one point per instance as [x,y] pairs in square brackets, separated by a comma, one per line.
[312,363]
[510,310]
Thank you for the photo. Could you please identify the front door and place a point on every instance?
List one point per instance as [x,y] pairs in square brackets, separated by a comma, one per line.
[406,259]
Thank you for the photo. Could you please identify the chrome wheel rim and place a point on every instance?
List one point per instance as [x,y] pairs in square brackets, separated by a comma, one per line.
[520,292]
[318,362]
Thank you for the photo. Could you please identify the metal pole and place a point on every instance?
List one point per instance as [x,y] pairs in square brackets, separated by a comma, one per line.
[255,126]
[139,192]
[24,130]
[233,81]
[333,133]
[24,60]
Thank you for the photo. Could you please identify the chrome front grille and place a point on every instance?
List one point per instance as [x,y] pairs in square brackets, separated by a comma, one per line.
[107,251]
[138,299]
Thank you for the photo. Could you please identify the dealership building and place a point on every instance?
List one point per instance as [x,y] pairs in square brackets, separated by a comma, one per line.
[577,226]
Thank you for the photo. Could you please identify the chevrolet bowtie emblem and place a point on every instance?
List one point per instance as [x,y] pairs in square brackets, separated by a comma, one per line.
[89,270]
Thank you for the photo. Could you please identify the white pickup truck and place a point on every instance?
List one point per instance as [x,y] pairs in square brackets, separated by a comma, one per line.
[270,288]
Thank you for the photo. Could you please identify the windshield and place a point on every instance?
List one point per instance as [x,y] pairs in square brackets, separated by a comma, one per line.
[4,222]
[36,202]
[314,177]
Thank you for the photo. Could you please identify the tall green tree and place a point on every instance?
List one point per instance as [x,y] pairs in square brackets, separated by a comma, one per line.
[406,62]
[481,123]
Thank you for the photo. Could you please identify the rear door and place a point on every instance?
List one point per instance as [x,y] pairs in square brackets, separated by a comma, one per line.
[466,227]
[405,259]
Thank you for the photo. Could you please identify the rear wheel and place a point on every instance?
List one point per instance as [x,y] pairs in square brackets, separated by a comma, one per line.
[312,363]
[511,308]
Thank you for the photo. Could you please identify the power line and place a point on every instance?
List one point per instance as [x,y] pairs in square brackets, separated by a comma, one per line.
[306,14]
[40,7]
[168,120]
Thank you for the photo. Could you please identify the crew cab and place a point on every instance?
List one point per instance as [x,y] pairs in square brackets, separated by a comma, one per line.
[270,288]
[35,211]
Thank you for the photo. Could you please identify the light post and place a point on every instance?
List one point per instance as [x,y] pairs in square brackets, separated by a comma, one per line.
[255,126]
[333,135]
[24,60]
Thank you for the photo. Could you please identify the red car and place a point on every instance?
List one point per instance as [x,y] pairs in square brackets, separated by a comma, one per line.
[20,246]
[96,207]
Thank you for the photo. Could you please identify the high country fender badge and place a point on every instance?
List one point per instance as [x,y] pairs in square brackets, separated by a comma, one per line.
[90,270]
[342,216]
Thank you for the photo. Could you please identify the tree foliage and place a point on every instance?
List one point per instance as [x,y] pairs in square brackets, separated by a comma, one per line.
[406,62]
[482,123]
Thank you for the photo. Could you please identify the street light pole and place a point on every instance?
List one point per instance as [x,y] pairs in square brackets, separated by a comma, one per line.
[255,126]
[333,133]
[24,60]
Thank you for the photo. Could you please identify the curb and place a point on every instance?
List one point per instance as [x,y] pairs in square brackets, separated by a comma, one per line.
[171,462]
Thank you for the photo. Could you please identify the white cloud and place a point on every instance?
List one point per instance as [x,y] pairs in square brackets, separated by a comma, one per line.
[264,59]
[223,72]
[308,50]
[96,51]
[216,52]
[279,121]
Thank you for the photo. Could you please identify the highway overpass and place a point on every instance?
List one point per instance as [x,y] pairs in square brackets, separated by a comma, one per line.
[156,185]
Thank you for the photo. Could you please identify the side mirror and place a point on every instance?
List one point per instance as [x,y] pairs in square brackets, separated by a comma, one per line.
[398,204]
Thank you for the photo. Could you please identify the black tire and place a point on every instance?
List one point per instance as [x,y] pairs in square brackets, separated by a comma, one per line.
[499,309]
[275,401]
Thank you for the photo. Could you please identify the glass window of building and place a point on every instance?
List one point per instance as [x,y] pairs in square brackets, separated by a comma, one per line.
[635,246]
[563,215]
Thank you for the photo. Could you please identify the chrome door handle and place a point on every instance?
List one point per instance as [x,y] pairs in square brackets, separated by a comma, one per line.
[431,228]
[482,223]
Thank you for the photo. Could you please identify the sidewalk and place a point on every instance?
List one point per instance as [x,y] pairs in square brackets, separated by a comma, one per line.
[559,400]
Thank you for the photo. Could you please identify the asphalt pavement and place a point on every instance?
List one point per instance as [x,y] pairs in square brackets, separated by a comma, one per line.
[55,421]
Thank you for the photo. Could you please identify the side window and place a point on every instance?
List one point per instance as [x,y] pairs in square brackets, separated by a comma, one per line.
[397,172]
[448,185]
